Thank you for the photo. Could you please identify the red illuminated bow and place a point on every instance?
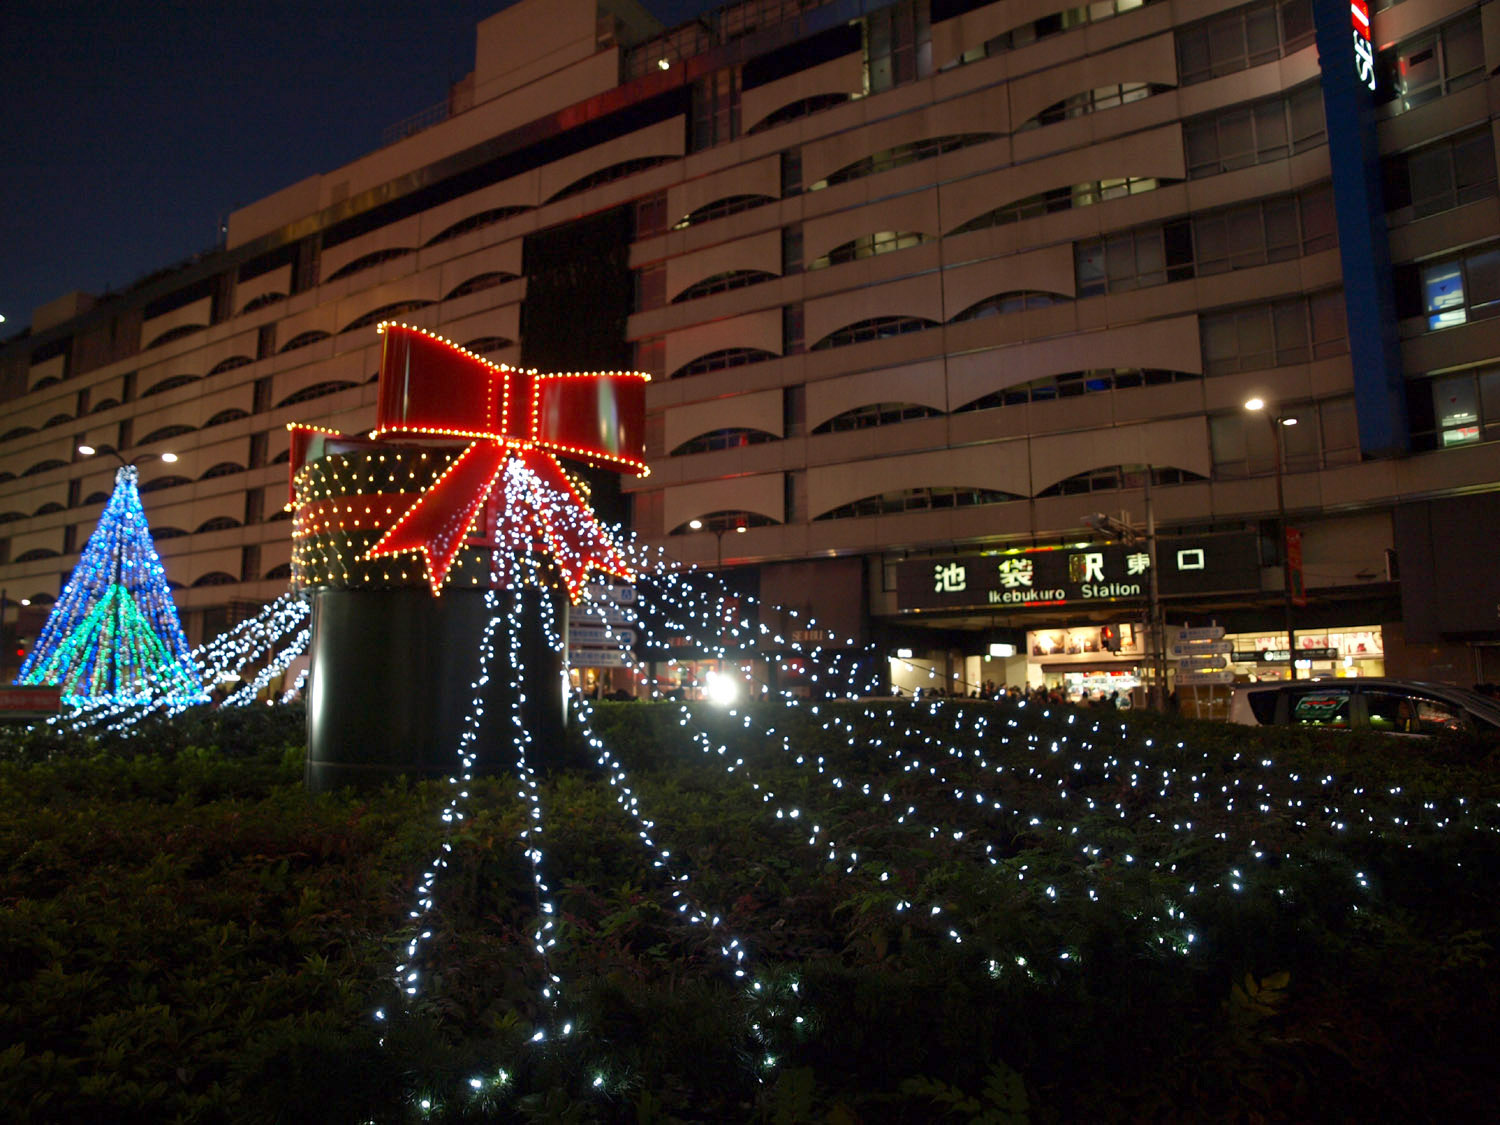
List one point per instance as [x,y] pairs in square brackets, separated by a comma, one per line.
[518,420]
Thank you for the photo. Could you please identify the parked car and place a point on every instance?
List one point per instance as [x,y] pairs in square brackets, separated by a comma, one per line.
[1408,707]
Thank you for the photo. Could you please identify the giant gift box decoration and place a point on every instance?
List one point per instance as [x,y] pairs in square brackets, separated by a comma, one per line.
[458,488]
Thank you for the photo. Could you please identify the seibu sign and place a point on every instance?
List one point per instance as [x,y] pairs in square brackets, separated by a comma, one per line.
[1364,50]
[1079,575]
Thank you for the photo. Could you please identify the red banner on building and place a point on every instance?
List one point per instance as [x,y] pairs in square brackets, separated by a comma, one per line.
[1295,582]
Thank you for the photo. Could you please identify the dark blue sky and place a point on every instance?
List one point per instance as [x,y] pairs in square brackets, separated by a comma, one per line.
[132,127]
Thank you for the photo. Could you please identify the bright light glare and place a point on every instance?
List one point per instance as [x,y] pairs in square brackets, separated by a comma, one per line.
[87,450]
[664,64]
[1287,421]
[722,690]
[696,525]
[169,457]
[1255,404]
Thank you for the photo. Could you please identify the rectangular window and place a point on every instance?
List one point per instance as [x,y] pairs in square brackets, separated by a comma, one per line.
[1245,37]
[1254,134]
[1254,234]
[1440,177]
[1430,65]
[1273,334]
[651,287]
[1457,409]
[1459,290]
[651,215]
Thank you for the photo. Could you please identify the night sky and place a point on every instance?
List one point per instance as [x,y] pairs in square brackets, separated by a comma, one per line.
[131,129]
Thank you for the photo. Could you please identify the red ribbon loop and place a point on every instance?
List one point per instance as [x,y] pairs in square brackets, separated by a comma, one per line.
[517,421]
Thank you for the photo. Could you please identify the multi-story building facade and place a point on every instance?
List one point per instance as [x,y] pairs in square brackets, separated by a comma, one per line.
[923,285]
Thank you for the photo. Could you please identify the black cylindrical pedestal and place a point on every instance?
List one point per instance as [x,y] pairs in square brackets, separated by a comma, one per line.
[392,683]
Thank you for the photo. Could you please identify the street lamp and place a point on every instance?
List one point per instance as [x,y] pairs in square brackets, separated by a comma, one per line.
[1277,421]
[93,450]
[698,525]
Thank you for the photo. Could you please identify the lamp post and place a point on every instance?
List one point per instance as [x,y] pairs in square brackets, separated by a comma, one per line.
[94,450]
[1277,421]
[698,525]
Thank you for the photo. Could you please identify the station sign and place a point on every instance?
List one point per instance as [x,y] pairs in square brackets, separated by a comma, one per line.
[1226,676]
[1085,574]
[1201,633]
[598,635]
[1202,663]
[1200,648]
[600,657]
[597,616]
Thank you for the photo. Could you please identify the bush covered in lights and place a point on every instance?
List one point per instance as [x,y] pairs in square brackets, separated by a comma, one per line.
[954,911]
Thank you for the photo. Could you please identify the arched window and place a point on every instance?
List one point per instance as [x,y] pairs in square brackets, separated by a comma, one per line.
[278,572]
[868,246]
[876,328]
[385,312]
[1018,300]
[797,110]
[723,439]
[721,209]
[1114,477]
[166,432]
[482,281]
[44,466]
[1071,383]
[317,390]
[215,578]
[303,339]
[263,301]
[230,364]
[1062,199]
[104,404]
[56,420]
[609,175]
[223,469]
[156,484]
[180,332]
[50,380]
[48,508]
[218,523]
[169,384]
[19,431]
[233,414]
[902,155]
[476,222]
[876,414]
[8,517]
[168,533]
[918,500]
[36,554]
[96,498]
[722,283]
[369,261]
[724,358]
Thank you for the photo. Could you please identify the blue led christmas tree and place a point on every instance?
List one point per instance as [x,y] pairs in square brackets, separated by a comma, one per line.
[114,633]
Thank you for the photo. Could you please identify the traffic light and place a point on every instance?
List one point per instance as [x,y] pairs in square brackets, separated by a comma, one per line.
[1109,638]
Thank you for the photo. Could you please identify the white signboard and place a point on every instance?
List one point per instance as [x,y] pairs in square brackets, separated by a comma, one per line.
[1224,677]
[1202,663]
[1202,633]
[598,635]
[599,657]
[1202,648]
